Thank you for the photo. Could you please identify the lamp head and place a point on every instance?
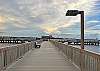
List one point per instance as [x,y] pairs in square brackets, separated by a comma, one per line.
[72,12]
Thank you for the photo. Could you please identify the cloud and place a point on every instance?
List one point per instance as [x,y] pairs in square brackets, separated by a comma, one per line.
[46,15]
[91,31]
[91,24]
[2,19]
[19,26]
[64,22]
[2,23]
[93,21]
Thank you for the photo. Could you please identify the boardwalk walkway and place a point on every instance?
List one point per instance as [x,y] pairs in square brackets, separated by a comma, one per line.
[47,58]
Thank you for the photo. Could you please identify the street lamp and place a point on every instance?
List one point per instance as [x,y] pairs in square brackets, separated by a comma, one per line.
[75,13]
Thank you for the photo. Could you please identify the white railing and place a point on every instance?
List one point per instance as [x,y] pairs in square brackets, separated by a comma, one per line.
[11,53]
[85,60]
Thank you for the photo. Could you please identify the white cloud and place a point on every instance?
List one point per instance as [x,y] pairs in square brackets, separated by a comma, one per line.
[62,22]
[50,13]
[93,21]
[19,26]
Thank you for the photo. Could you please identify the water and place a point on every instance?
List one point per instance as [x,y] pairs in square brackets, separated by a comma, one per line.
[91,48]
[95,49]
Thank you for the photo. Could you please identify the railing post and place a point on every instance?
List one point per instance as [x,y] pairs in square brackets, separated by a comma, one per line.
[98,64]
[1,59]
[82,60]
[5,57]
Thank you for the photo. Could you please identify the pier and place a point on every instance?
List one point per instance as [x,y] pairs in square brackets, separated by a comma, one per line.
[51,56]
[49,35]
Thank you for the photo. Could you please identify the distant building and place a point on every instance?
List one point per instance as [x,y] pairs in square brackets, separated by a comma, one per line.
[46,38]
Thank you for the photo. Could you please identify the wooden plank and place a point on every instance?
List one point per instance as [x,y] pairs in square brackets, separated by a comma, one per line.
[47,58]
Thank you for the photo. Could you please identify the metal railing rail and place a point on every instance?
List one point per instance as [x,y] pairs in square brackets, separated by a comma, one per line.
[10,54]
[85,60]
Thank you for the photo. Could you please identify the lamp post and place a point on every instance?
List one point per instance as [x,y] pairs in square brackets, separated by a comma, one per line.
[75,13]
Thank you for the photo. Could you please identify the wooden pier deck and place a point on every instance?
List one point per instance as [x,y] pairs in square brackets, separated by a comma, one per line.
[46,58]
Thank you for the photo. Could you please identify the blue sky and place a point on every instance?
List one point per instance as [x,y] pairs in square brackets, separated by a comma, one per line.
[41,17]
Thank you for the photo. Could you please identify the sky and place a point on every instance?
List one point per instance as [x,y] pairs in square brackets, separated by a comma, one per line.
[44,17]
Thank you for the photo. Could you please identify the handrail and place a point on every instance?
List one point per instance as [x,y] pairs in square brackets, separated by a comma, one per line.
[85,60]
[10,54]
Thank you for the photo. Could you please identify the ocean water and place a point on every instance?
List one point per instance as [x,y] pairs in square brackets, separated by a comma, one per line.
[91,48]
